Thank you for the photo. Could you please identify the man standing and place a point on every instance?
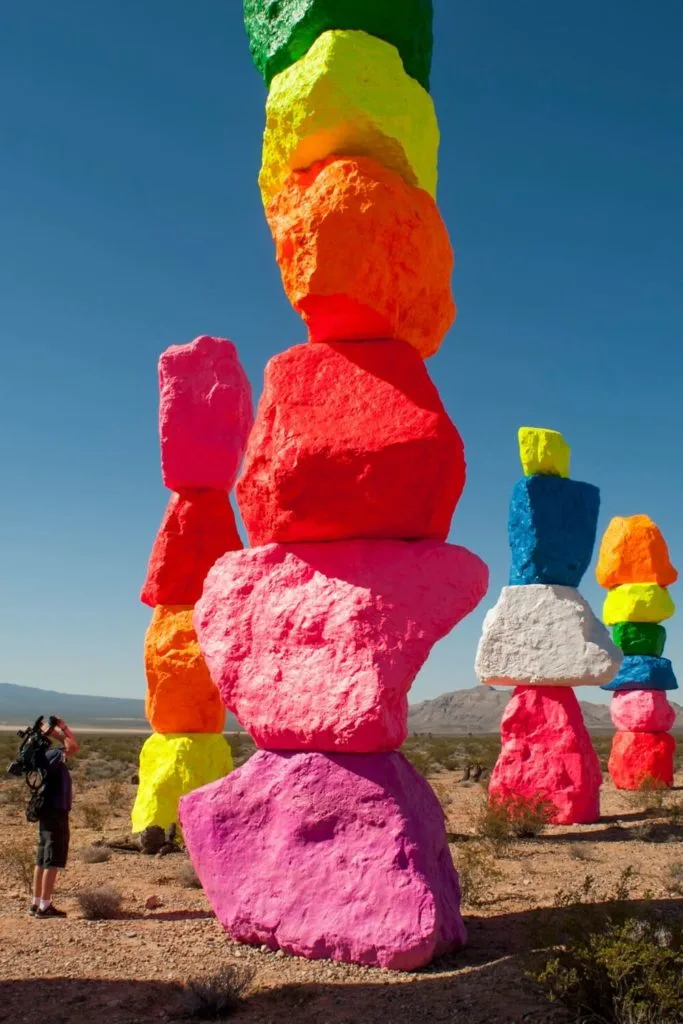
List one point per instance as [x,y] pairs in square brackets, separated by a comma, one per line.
[53,823]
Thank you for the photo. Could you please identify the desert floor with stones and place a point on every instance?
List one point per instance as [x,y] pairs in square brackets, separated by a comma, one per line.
[133,968]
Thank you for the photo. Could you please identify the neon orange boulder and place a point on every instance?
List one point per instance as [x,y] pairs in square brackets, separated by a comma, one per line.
[350,441]
[639,758]
[198,527]
[633,550]
[363,254]
[181,698]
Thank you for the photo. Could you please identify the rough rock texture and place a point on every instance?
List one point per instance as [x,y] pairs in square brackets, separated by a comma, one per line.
[551,530]
[170,767]
[349,95]
[363,255]
[350,440]
[641,672]
[198,527]
[544,635]
[633,550]
[205,414]
[640,638]
[180,694]
[315,646]
[543,451]
[547,752]
[642,711]
[338,857]
[637,602]
[642,757]
[282,31]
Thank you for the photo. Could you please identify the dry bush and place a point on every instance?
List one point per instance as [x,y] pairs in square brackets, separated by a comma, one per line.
[187,877]
[674,879]
[649,797]
[217,997]
[20,861]
[95,855]
[99,904]
[94,815]
[477,869]
[581,851]
[116,795]
[502,819]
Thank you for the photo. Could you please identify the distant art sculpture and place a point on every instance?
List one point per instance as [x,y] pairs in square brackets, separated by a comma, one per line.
[327,843]
[635,567]
[204,419]
[543,638]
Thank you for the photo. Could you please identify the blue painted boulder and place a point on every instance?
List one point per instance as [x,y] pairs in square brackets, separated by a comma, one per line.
[643,672]
[551,530]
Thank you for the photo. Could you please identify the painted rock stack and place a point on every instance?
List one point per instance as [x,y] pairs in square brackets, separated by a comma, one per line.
[635,567]
[543,639]
[205,418]
[327,843]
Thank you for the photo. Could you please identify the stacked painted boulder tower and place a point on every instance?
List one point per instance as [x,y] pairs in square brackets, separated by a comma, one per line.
[635,567]
[205,418]
[327,843]
[543,638]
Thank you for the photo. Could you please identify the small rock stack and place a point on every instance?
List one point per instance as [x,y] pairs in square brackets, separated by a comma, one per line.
[327,843]
[205,418]
[543,639]
[635,567]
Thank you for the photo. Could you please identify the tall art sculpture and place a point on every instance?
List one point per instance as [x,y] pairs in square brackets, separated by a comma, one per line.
[635,567]
[327,843]
[543,638]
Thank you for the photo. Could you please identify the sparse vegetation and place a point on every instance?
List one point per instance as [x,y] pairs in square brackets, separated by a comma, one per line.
[95,855]
[187,877]
[116,795]
[650,796]
[503,819]
[217,997]
[674,879]
[93,815]
[20,861]
[99,904]
[477,869]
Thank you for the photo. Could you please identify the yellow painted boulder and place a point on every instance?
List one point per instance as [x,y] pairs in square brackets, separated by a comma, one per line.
[349,96]
[543,452]
[638,602]
[170,767]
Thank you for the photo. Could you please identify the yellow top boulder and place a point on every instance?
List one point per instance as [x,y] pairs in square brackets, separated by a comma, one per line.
[638,602]
[349,96]
[543,452]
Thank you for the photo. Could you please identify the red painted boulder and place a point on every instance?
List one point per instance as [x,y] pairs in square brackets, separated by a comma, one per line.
[350,440]
[198,527]
[205,414]
[641,758]
[329,857]
[642,711]
[547,752]
[315,646]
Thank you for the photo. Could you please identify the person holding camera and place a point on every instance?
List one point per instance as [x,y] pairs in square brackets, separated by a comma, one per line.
[53,820]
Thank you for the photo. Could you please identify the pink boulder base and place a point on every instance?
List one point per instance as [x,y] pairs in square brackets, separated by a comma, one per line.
[639,758]
[315,646]
[340,857]
[642,711]
[547,752]
[205,414]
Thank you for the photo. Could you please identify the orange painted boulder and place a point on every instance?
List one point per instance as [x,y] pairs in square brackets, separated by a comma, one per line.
[642,758]
[198,527]
[633,550]
[363,254]
[350,441]
[181,698]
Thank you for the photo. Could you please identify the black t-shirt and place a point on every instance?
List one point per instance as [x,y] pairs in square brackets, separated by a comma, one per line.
[57,793]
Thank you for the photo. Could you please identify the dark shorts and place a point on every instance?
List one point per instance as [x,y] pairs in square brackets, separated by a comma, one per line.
[53,839]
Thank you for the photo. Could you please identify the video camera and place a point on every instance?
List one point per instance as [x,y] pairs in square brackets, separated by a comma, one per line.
[31,762]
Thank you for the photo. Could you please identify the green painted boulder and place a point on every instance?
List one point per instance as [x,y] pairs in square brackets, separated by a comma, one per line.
[282,31]
[646,638]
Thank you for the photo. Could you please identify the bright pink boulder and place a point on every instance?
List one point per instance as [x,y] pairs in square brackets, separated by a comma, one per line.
[639,758]
[343,857]
[350,440]
[198,527]
[205,414]
[315,646]
[547,752]
[642,711]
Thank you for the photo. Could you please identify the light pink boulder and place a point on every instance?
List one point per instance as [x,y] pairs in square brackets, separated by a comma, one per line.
[642,711]
[205,414]
[315,646]
[547,752]
[343,857]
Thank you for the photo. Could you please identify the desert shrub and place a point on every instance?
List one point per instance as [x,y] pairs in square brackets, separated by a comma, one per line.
[627,973]
[581,851]
[674,878]
[99,904]
[420,759]
[501,819]
[20,863]
[477,868]
[645,832]
[116,795]
[187,877]
[649,797]
[216,997]
[94,815]
[95,855]
[673,812]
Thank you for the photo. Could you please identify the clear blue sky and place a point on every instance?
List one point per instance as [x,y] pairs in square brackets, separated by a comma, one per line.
[130,219]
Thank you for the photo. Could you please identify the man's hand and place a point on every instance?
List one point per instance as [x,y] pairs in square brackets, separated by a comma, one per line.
[64,733]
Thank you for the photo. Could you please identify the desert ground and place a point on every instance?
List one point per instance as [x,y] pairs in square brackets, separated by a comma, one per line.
[519,896]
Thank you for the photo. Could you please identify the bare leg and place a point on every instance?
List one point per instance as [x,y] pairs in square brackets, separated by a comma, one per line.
[37,883]
[49,879]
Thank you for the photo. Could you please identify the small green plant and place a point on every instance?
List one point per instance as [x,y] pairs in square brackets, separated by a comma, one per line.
[95,855]
[94,815]
[99,904]
[20,861]
[217,997]
[502,819]
[477,868]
